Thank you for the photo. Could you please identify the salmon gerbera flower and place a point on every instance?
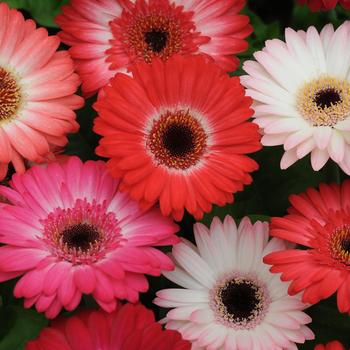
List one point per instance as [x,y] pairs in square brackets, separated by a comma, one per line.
[319,221]
[37,86]
[68,230]
[177,135]
[107,36]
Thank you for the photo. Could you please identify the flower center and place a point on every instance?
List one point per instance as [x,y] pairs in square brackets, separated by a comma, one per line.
[149,29]
[340,244]
[177,140]
[239,302]
[10,96]
[81,234]
[156,40]
[324,101]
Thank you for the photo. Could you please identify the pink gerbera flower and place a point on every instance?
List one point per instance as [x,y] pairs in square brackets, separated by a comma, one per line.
[36,92]
[69,231]
[177,135]
[131,327]
[320,221]
[333,345]
[108,35]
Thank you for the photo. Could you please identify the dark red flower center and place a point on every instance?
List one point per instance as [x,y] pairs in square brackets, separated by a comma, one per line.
[177,140]
[10,95]
[156,39]
[80,236]
[327,97]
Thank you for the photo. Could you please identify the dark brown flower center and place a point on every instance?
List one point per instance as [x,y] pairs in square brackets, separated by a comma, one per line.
[80,237]
[340,244]
[240,299]
[327,97]
[10,95]
[177,140]
[239,302]
[156,39]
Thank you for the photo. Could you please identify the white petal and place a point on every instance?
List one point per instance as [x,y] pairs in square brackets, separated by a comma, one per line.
[314,43]
[288,159]
[306,147]
[336,147]
[318,158]
[322,136]
[194,264]
[297,138]
[184,295]
[285,125]
[274,139]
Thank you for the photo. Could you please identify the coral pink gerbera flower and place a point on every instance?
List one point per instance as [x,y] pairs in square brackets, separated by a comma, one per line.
[324,5]
[333,345]
[177,135]
[320,221]
[37,86]
[108,35]
[131,327]
[231,301]
[69,231]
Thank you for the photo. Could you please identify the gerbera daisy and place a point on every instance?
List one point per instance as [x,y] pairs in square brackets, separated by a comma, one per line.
[178,135]
[320,221]
[131,327]
[69,231]
[231,300]
[324,5]
[301,90]
[333,345]
[36,92]
[107,36]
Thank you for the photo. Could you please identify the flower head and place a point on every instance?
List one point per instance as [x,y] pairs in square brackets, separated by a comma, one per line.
[177,135]
[333,345]
[320,221]
[324,5]
[68,231]
[37,86]
[131,327]
[231,300]
[107,36]
[301,89]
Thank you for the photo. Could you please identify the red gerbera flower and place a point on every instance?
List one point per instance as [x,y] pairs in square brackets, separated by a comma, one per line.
[178,132]
[108,35]
[131,327]
[333,345]
[324,5]
[320,221]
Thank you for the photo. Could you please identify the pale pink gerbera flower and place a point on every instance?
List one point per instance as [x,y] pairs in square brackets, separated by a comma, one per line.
[108,35]
[301,89]
[231,300]
[36,92]
[69,231]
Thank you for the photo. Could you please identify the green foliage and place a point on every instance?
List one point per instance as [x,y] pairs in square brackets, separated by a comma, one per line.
[18,326]
[43,11]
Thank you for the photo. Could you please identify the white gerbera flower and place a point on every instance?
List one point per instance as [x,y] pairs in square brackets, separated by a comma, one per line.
[231,300]
[301,89]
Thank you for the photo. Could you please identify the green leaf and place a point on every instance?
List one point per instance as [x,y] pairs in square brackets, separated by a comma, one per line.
[42,11]
[19,325]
